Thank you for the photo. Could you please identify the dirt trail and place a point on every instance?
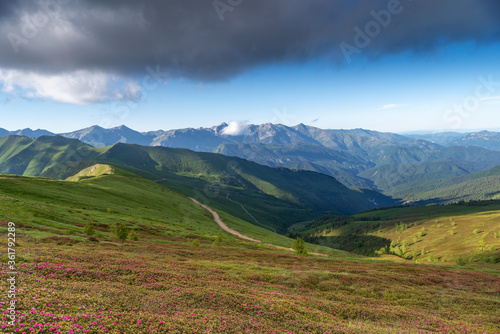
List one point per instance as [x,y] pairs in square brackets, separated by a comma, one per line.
[222,224]
[236,233]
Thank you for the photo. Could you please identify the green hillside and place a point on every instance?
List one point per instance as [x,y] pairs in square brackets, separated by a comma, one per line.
[477,186]
[183,274]
[276,197]
[452,233]
[48,208]
[172,282]
[94,171]
[403,180]
[52,207]
[389,163]
[269,197]
[32,157]
[307,156]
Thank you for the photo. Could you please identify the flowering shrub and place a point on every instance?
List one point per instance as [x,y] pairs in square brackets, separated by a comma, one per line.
[178,288]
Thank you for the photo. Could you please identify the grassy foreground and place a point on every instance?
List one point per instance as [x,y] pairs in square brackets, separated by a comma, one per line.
[145,287]
[184,276]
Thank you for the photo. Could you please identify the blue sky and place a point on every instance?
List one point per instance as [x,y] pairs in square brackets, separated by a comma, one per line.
[398,91]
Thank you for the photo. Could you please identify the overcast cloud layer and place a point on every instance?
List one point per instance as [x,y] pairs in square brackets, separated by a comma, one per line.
[109,44]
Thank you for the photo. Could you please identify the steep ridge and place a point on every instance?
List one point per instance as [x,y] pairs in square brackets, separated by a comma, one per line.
[31,157]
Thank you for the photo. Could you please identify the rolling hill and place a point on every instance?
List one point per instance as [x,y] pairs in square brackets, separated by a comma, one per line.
[270,197]
[184,274]
[400,177]
[103,195]
[28,156]
[469,232]
[471,187]
[385,162]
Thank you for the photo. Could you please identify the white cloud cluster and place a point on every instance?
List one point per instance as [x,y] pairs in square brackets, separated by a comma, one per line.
[235,128]
[79,87]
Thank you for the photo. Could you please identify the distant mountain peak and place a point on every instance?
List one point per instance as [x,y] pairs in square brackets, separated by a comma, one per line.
[209,138]
[219,128]
[92,128]
[302,125]
[121,127]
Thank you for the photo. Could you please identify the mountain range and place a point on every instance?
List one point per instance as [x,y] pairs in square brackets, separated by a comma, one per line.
[484,139]
[276,196]
[208,139]
[403,167]
[393,164]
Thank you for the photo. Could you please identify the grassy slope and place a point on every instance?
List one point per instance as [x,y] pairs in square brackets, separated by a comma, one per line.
[341,233]
[96,170]
[478,186]
[153,286]
[403,173]
[50,207]
[309,190]
[166,282]
[289,196]
[277,197]
[31,157]
[444,233]
[400,179]
[485,188]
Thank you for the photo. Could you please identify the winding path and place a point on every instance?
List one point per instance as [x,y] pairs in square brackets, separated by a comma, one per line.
[222,224]
[227,228]
[234,232]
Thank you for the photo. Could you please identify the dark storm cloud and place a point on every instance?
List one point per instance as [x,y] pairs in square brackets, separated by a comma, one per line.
[188,38]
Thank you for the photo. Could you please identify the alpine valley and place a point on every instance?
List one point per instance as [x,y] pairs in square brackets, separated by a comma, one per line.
[406,168]
[264,229]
